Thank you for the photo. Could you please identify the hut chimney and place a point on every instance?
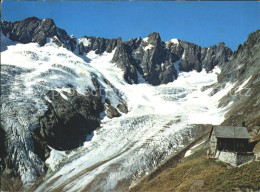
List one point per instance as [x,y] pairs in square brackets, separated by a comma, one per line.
[243,124]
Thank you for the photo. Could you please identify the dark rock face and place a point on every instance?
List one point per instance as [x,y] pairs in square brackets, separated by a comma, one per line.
[97,44]
[154,59]
[244,61]
[33,29]
[157,61]
[216,55]
[195,57]
[66,123]
[125,61]
[40,146]
[150,58]
[3,163]
[191,57]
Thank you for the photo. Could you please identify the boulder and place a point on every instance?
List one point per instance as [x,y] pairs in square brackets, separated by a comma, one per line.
[122,108]
[111,111]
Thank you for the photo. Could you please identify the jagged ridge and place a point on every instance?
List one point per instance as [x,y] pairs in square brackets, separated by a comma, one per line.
[151,57]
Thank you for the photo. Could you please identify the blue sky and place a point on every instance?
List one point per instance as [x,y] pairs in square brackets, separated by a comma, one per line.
[203,23]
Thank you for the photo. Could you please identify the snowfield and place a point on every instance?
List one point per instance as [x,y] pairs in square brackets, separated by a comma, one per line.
[159,122]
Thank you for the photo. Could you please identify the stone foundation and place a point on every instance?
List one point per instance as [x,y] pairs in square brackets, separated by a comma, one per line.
[235,158]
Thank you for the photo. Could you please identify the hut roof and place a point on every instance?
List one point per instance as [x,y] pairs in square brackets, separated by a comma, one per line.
[231,132]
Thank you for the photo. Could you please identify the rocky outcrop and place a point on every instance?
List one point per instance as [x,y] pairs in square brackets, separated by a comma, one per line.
[110,110]
[244,61]
[189,53]
[66,123]
[97,44]
[122,108]
[125,61]
[194,57]
[156,61]
[148,57]
[33,29]
[216,55]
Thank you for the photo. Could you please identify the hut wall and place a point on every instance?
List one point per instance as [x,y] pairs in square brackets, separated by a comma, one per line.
[238,145]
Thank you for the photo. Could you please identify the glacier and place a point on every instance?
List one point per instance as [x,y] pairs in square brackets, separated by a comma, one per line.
[159,123]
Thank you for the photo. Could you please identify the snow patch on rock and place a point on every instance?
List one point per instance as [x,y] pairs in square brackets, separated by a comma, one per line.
[86,42]
[174,41]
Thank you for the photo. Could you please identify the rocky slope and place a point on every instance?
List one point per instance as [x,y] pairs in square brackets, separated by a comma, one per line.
[243,73]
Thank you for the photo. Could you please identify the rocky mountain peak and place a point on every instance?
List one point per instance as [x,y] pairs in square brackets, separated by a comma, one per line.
[134,43]
[252,39]
[33,29]
[154,38]
[125,61]
[48,22]
[222,44]
[242,60]
[29,20]
[216,55]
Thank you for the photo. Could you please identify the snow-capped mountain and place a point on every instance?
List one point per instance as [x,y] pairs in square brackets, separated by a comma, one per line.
[100,113]
[150,57]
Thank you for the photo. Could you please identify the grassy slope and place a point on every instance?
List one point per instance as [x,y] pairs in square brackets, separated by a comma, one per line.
[11,184]
[197,173]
